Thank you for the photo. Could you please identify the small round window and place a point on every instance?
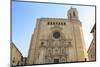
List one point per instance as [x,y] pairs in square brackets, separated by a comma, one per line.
[56,34]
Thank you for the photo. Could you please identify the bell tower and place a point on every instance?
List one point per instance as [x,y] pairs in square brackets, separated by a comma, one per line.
[73,14]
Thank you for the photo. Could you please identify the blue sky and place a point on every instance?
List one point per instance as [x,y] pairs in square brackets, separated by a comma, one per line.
[24,15]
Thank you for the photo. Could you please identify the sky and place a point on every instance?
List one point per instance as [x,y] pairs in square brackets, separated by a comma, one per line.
[24,15]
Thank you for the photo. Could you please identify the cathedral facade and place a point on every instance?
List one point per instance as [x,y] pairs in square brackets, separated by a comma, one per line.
[57,40]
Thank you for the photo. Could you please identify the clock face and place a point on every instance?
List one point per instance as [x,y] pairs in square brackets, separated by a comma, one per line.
[56,34]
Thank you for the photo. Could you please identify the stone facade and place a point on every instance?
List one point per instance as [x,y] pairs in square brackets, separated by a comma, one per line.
[16,56]
[57,40]
[92,49]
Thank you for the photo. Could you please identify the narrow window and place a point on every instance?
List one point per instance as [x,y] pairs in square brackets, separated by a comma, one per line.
[61,23]
[51,23]
[64,23]
[70,16]
[48,23]
[13,60]
[56,22]
[74,14]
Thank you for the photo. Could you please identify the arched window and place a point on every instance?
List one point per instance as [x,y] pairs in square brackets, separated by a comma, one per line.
[56,22]
[53,23]
[49,51]
[48,23]
[64,23]
[56,51]
[70,16]
[62,50]
[59,23]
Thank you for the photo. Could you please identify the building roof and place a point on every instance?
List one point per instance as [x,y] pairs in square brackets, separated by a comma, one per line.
[94,27]
[63,19]
[12,44]
[91,45]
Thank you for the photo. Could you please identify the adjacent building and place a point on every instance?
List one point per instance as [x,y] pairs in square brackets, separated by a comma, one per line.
[57,40]
[16,56]
[24,61]
[92,49]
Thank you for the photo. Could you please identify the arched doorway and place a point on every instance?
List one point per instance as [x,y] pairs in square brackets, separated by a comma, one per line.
[56,60]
